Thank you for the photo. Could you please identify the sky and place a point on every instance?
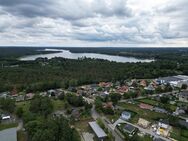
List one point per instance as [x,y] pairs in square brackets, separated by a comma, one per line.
[96,23]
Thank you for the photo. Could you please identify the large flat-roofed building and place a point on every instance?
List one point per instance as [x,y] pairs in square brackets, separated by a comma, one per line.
[176,81]
[101,135]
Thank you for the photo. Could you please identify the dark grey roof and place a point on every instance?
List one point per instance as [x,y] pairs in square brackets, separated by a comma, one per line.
[184,93]
[129,128]
[8,135]
[97,129]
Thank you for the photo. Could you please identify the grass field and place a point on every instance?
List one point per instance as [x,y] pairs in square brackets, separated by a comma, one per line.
[6,126]
[179,134]
[156,103]
[149,101]
[141,113]
[58,104]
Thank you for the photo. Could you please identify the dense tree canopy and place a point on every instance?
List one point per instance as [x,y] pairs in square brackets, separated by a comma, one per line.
[53,129]
[7,104]
[41,105]
[43,74]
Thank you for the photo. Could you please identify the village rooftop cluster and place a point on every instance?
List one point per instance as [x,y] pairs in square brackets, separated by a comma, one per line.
[146,108]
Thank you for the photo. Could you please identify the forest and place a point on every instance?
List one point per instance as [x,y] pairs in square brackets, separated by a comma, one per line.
[43,74]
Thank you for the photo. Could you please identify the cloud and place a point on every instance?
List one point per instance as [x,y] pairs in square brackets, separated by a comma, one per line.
[100,22]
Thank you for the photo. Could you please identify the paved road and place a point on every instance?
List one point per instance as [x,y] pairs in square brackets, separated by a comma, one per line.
[20,125]
[95,115]
[150,132]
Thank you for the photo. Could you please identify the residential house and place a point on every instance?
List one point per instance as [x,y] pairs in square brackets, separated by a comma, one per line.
[183,96]
[52,93]
[105,84]
[159,110]
[129,129]
[150,87]
[163,128]
[29,96]
[145,106]
[143,83]
[108,105]
[122,90]
[125,115]
[20,98]
[75,114]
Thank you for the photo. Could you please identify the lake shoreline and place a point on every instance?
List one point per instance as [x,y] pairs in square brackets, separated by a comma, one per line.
[70,55]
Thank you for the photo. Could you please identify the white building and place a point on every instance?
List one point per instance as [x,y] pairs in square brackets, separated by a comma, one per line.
[176,81]
[125,115]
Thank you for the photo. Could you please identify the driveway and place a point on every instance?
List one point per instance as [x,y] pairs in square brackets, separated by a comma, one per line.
[148,131]
[88,136]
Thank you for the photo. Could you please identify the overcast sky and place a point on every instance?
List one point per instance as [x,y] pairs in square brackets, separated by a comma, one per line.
[94,23]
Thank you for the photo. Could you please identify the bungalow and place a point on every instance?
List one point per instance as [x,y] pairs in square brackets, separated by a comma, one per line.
[105,84]
[129,129]
[183,96]
[20,98]
[145,106]
[52,93]
[143,83]
[150,87]
[122,90]
[159,110]
[125,115]
[29,96]
[108,105]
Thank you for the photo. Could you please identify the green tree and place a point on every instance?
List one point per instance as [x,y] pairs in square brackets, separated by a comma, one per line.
[7,104]
[41,105]
[19,112]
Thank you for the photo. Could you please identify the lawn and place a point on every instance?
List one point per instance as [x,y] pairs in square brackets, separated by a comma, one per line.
[24,104]
[156,103]
[141,113]
[83,126]
[149,101]
[58,104]
[179,134]
[6,126]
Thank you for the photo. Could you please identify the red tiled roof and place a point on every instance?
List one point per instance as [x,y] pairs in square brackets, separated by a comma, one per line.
[145,106]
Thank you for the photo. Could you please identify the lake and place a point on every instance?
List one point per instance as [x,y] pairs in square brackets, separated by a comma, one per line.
[69,55]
